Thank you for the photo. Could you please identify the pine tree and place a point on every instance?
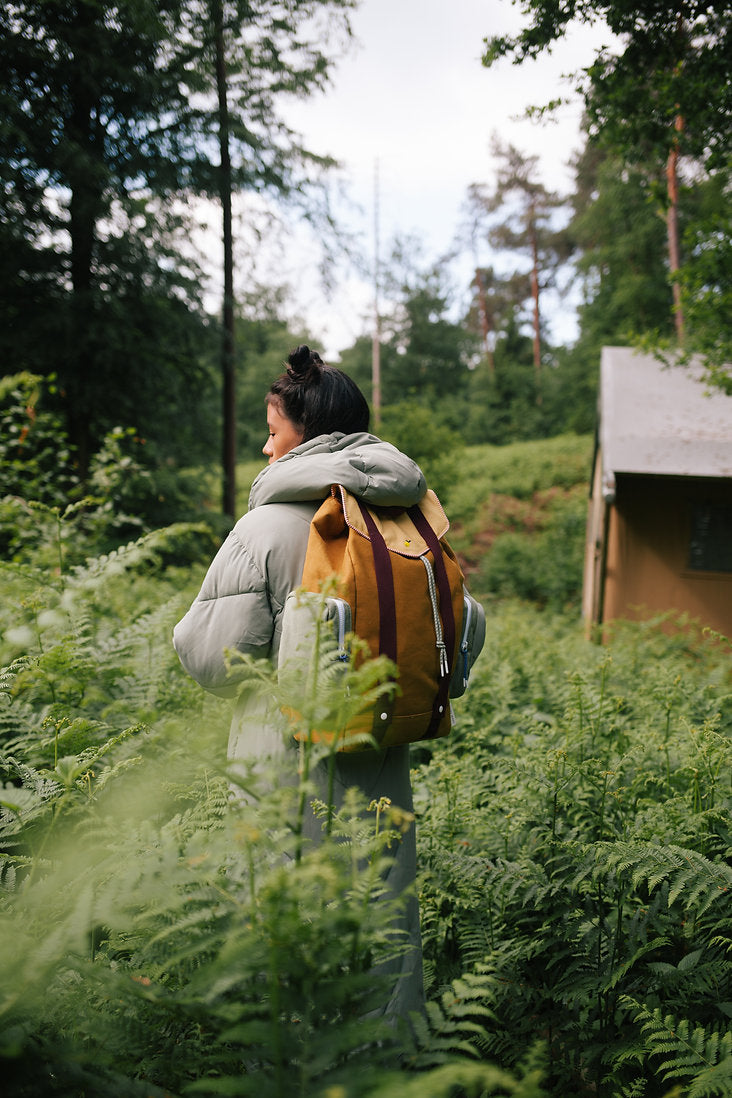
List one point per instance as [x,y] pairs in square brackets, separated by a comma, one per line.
[527,210]
[109,113]
[87,92]
[663,94]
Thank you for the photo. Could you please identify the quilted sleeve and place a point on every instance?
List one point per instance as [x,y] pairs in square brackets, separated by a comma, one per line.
[231,611]
[367,467]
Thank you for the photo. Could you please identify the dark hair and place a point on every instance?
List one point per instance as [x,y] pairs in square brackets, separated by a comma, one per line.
[317,398]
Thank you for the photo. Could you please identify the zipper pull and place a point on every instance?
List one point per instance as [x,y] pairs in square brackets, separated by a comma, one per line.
[443,659]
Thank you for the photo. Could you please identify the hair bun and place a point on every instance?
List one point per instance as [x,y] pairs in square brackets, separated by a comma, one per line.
[304,365]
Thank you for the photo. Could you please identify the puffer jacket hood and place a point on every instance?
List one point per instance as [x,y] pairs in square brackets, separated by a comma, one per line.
[365,465]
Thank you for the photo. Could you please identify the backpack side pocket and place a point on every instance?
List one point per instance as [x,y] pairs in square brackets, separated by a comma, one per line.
[300,625]
[472,639]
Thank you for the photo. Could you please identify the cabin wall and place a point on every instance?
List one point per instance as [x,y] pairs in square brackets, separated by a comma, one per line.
[648,551]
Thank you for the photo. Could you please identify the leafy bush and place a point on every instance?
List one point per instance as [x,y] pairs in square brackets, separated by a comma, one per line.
[128,491]
[35,459]
[543,565]
[435,447]
[136,491]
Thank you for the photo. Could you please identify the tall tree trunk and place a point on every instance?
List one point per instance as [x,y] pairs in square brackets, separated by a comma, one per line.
[485,324]
[672,227]
[535,299]
[376,339]
[228,375]
[85,209]
[80,353]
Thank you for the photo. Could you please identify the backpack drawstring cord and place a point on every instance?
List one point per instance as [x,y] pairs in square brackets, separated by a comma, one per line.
[439,639]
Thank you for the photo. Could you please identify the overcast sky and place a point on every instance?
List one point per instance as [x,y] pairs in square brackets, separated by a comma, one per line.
[413,96]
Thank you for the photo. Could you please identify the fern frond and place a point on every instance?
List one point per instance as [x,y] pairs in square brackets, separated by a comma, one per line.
[703,1055]
[713,1082]
[457,1023]
[692,878]
[144,550]
[622,970]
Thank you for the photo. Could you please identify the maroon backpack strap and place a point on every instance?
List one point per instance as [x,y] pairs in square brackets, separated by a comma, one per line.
[384,711]
[447,614]
[384,588]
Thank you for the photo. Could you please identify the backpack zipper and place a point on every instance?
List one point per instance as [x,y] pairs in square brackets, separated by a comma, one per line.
[343,626]
[341,610]
[439,639]
[464,639]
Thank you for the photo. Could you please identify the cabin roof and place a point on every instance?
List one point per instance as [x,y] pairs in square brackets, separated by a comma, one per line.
[661,420]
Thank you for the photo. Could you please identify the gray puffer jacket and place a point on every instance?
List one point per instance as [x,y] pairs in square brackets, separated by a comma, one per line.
[243,594]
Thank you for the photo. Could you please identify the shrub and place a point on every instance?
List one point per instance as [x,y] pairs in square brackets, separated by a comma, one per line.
[137,492]
[435,447]
[36,462]
[129,491]
[544,566]
[35,457]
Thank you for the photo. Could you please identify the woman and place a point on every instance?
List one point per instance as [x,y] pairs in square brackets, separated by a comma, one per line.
[318,422]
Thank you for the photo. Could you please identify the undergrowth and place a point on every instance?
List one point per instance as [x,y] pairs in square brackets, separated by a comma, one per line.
[165,930]
[519,515]
[575,855]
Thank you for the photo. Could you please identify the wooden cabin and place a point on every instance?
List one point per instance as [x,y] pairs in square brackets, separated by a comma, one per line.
[659,528]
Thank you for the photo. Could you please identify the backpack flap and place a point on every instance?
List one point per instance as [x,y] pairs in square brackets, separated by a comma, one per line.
[395,524]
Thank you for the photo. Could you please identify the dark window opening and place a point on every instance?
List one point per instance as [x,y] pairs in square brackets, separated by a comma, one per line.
[710,549]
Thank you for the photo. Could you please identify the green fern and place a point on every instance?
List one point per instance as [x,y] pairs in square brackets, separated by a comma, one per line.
[574,865]
[695,1053]
[456,1024]
[691,877]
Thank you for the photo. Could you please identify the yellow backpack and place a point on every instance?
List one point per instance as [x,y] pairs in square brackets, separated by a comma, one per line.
[401,590]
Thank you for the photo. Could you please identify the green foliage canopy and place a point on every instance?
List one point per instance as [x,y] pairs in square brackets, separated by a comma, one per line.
[661,91]
[621,242]
[108,114]
[671,61]
[93,287]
